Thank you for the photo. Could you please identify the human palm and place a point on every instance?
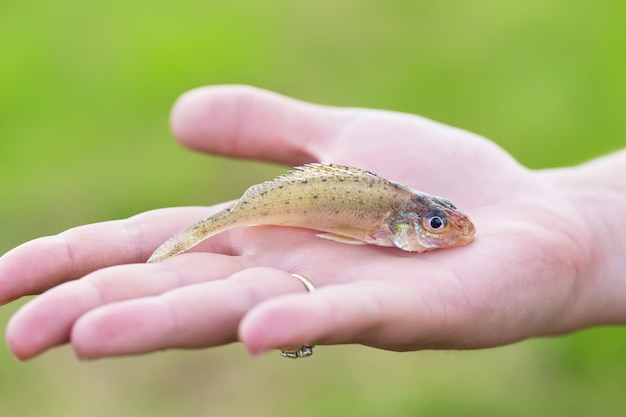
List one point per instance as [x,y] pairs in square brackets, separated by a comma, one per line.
[521,277]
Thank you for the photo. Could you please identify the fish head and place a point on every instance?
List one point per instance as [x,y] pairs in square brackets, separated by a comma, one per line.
[429,222]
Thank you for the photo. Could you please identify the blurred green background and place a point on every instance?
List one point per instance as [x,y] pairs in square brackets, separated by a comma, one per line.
[85,92]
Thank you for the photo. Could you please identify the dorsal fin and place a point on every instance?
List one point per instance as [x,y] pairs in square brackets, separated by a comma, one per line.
[325,170]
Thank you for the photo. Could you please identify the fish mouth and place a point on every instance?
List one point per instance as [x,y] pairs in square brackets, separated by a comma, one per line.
[465,229]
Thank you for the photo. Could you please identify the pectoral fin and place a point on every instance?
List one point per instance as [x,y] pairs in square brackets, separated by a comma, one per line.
[341,239]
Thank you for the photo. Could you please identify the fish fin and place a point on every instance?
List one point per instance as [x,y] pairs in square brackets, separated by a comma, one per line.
[325,170]
[341,239]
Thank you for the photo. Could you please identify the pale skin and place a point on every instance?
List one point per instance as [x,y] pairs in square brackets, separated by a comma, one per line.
[549,255]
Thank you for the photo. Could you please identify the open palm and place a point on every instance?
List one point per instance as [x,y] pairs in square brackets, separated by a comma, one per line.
[520,278]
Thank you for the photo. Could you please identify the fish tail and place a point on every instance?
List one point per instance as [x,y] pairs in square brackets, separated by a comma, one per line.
[193,235]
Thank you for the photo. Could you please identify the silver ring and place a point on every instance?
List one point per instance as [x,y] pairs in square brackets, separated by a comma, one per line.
[306,349]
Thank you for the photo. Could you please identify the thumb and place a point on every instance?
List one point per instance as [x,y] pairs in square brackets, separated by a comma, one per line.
[247,122]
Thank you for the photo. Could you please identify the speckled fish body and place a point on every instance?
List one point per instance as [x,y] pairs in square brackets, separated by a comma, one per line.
[349,205]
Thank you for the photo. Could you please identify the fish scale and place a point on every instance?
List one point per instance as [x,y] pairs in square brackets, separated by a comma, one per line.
[348,204]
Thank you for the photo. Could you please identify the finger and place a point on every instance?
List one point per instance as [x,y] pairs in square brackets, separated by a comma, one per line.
[43,263]
[47,320]
[381,314]
[247,122]
[196,316]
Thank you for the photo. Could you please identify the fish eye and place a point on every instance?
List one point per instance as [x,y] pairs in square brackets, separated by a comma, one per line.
[435,222]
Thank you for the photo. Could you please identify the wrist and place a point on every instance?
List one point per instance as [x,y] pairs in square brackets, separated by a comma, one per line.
[596,191]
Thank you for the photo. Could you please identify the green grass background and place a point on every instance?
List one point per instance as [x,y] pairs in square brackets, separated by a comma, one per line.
[85,92]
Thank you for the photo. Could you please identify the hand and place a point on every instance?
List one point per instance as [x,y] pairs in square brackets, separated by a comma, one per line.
[528,273]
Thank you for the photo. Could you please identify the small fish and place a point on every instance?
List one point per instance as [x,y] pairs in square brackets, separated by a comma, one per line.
[349,205]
